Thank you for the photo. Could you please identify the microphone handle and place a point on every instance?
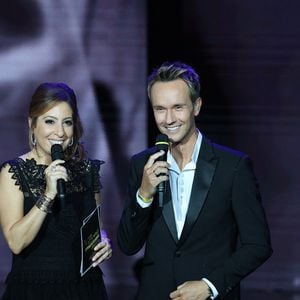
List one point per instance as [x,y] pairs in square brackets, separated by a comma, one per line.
[162,185]
[61,192]
[161,192]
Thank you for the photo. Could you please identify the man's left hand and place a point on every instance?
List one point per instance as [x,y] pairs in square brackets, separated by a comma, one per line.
[191,290]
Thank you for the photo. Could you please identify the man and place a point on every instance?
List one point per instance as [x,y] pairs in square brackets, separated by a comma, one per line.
[211,231]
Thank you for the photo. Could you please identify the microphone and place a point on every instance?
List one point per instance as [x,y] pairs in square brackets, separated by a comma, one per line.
[162,143]
[57,153]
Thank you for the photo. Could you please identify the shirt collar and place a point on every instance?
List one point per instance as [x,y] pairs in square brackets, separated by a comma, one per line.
[197,147]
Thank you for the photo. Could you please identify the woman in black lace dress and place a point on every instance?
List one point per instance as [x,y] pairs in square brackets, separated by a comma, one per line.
[43,236]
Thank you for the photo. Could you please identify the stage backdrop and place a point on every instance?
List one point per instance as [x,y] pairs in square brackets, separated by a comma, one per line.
[247,54]
[99,49]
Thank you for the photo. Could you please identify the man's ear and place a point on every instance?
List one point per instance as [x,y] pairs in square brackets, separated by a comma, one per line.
[197,106]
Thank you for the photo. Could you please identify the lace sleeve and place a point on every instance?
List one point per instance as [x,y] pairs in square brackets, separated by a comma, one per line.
[14,170]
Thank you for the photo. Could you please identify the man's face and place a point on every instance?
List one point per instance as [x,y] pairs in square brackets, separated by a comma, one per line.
[173,109]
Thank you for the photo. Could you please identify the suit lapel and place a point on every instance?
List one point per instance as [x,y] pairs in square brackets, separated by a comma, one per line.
[205,169]
[168,213]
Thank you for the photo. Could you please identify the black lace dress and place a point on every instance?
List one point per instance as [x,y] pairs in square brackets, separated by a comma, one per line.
[49,267]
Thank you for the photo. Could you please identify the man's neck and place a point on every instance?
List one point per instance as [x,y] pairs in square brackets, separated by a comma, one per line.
[182,152]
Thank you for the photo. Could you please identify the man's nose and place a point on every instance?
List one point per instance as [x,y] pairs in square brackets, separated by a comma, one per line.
[170,118]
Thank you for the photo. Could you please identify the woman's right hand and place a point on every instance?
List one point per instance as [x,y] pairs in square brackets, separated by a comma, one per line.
[54,172]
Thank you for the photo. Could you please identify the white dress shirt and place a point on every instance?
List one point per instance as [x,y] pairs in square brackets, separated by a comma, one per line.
[181,182]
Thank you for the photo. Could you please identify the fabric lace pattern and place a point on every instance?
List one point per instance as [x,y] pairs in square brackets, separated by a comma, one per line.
[32,175]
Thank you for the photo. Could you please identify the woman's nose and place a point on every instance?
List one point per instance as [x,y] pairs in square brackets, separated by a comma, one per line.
[60,131]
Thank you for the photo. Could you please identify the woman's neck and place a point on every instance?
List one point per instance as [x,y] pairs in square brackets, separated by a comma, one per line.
[40,159]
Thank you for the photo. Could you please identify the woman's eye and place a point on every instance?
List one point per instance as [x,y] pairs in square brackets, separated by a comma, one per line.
[49,121]
[69,122]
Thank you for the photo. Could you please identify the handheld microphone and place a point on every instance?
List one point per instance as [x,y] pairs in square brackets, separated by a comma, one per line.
[57,153]
[162,143]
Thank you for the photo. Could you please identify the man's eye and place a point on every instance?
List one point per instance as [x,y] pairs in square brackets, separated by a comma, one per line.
[49,121]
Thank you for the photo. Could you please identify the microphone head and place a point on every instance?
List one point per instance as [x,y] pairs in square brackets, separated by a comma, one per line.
[162,142]
[57,152]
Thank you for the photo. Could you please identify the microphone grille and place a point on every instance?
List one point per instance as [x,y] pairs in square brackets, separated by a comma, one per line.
[57,152]
[162,142]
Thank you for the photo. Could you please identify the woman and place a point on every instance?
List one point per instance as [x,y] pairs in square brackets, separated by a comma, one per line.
[43,236]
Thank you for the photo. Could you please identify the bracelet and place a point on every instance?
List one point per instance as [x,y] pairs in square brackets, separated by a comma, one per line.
[144,199]
[44,203]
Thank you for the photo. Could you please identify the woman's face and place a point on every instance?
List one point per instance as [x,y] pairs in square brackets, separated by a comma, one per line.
[53,127]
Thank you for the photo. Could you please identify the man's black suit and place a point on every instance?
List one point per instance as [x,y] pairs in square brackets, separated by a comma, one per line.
[225,236]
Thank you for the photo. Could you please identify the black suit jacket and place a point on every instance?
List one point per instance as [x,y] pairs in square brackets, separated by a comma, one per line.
[225,235]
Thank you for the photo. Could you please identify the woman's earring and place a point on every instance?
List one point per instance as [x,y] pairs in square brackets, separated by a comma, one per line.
[71,143]
[33,140]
